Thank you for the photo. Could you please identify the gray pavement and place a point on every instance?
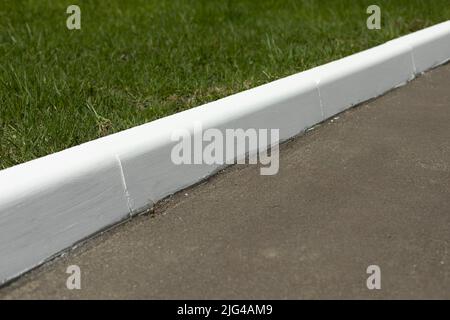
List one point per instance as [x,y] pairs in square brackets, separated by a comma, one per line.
[371,187]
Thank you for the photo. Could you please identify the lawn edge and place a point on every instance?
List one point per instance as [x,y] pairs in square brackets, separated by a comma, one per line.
[49,204]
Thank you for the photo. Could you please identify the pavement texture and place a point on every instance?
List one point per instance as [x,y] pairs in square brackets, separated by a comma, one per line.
[371,187]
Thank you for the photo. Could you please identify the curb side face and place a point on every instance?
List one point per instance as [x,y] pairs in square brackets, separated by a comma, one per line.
[348,82]
[52,218]
[151,175]
[430,47]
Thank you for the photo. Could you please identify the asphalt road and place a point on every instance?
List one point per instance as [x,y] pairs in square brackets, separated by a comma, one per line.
[369,188]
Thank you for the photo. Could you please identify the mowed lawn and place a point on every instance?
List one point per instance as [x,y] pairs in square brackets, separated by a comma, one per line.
[135,61]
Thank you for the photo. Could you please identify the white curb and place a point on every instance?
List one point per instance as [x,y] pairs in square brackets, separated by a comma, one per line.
[49,204]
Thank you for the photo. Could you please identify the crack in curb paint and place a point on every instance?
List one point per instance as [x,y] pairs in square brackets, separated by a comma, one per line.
[125,188]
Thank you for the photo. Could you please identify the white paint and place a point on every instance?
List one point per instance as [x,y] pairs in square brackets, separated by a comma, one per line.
[291,104]
[429,47]
[48,204]
[362,76]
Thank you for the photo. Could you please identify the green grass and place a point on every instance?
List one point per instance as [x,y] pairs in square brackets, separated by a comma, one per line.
[135,61]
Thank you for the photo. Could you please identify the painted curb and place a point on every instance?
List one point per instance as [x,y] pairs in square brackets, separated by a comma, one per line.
[51,203]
